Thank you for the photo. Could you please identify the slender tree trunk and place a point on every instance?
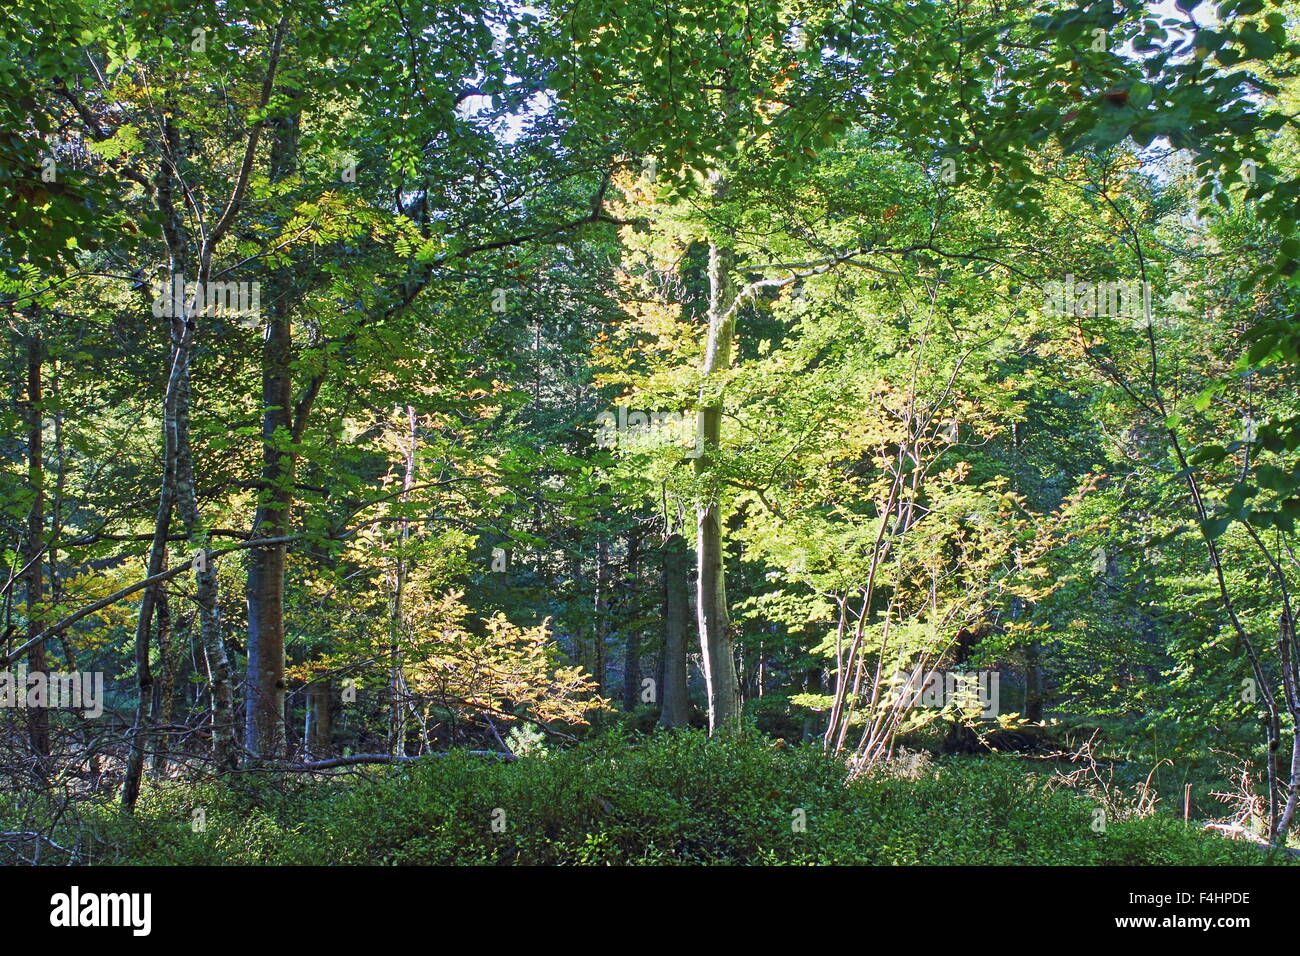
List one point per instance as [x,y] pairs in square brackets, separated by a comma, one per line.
[1272,722]
[38,718]
[181,337]
[632,648]
[224,745]
[600,633]
[56,519]
[711,589]
[175,436]
[165,685]
[221,682]
[396,677]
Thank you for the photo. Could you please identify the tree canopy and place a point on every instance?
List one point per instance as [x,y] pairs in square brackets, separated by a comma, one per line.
[896,380]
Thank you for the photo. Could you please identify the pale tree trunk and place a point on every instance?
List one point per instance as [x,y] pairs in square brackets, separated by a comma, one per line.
[674,686]
[396,677]
[38,718]
[165,686]
[711,589]
[224,745]
[56,521]
[181,337]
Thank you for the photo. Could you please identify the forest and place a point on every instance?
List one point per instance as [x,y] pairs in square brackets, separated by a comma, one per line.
[812,432]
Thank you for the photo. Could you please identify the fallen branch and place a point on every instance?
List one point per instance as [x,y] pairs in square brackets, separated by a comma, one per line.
[32,835]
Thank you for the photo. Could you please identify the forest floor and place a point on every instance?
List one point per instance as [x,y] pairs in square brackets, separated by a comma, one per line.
[671,798]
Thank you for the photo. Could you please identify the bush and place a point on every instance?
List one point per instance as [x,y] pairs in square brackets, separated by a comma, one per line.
[669,798]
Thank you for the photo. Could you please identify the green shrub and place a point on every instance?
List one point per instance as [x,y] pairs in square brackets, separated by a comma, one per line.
[676,798]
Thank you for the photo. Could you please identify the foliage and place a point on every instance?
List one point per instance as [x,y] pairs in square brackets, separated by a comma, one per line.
[675,799]
[480,233]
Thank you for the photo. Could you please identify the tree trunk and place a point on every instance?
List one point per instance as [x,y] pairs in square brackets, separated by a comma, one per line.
[397,692]
[1034,682]
[319,727]
[181,337]
[632,648]
[38,718]
[166,684]
[675,686]
[264,728]
[224,744]
[183,488]
[264,721]
[711,589]
[600,632]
